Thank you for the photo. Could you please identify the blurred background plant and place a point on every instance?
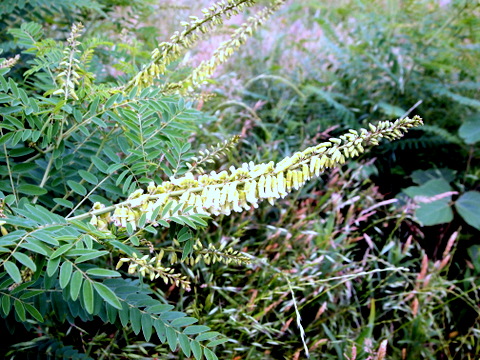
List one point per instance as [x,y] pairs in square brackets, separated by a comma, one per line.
[382,249]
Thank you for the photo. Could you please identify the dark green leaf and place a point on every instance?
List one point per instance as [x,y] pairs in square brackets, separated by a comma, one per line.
[20,310]
[34,312]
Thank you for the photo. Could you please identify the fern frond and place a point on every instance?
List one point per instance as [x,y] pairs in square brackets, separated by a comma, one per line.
[442,133]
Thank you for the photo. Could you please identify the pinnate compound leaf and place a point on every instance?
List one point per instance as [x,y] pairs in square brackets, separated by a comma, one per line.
[107,294]
[468,206]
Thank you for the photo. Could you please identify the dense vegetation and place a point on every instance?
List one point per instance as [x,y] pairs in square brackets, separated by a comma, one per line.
[118,241]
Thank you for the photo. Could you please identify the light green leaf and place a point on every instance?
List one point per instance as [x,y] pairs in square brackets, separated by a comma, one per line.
[92,179]
[217,342]
[65,274]
[103,272]
[76,284]
[183,321]
[76,187]
[13,271]
[207,335]
[160,308]
[195,329]
[63,202]
[147,324]
[90,256]
[468,206]
[88,297]
[209,354]
[31,190]
[434,213]
[100,164]
[136,320]
[25,260]
[172,338]
[196,349]
[107,294]
[184,344]
[61,250]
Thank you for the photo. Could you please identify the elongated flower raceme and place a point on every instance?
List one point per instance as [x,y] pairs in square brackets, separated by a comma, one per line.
[241,188]
[167,52]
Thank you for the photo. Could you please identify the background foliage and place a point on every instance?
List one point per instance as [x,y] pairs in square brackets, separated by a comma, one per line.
[382,249]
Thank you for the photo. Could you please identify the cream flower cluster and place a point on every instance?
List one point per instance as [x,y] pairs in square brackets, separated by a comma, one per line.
[167,52]
[242,188]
